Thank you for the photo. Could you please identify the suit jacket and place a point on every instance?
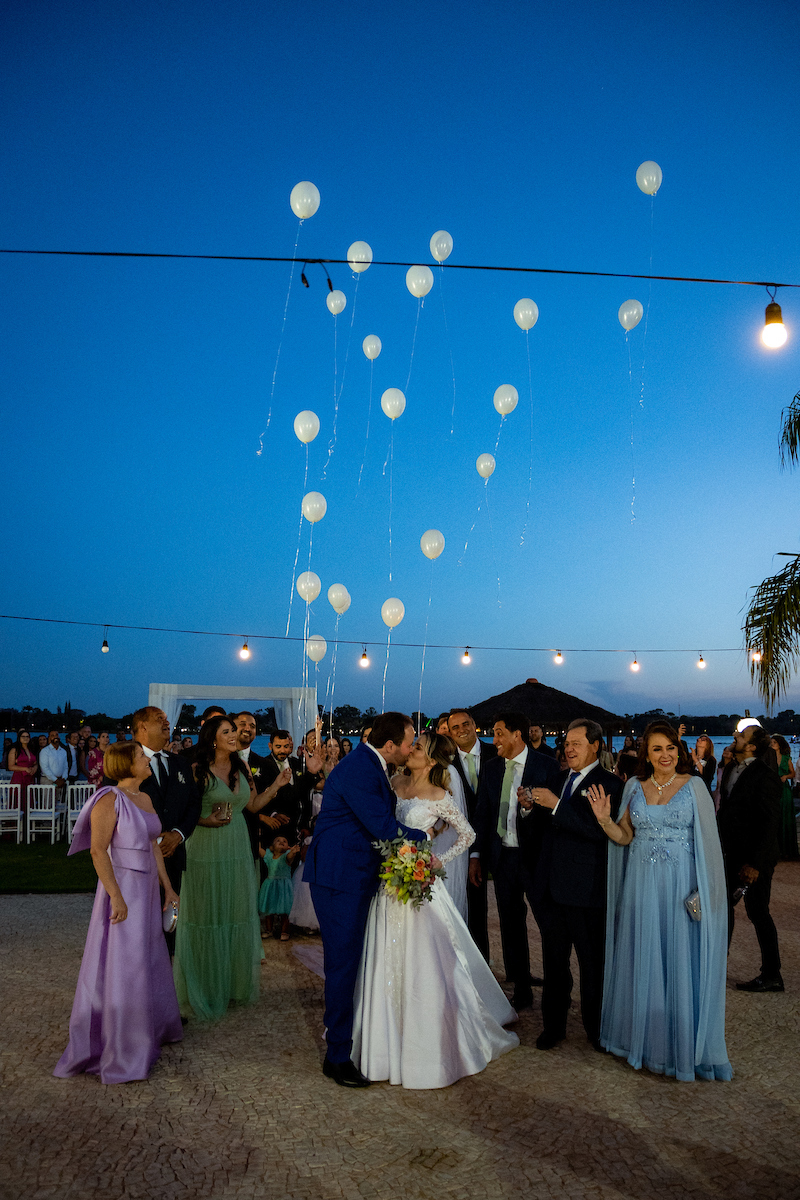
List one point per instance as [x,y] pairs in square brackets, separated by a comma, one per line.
[572,865]
[539,771]
[357,810]
[177,801]
[749,818]
[293,799]
[488,752]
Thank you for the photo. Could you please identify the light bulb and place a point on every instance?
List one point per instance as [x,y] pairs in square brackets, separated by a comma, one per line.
[755,656]
[701,664]
[104,646]
[465,658]
[245,651]
[364,661]
[773,335]
[559,658]
[634,665]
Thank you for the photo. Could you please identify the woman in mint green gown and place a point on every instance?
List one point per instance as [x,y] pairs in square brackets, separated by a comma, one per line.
[218,939]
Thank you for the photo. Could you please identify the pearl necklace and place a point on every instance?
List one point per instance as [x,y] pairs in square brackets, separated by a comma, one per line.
[660,787]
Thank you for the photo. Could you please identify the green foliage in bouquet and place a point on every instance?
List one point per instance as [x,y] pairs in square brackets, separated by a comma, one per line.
[406,872]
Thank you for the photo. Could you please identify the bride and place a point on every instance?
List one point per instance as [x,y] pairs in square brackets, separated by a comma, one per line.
[428,1009]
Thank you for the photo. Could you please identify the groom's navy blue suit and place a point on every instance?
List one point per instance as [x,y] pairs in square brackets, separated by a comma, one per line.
[342,867]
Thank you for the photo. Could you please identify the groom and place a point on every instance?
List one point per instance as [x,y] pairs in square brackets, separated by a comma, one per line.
[342,867]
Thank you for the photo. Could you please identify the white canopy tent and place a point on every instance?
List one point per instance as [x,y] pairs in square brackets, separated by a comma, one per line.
[295,708]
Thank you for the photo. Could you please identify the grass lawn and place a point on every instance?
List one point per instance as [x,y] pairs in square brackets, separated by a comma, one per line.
[41,867]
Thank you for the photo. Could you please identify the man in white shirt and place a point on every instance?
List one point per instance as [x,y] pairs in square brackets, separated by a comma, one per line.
[53,763]
[469,763]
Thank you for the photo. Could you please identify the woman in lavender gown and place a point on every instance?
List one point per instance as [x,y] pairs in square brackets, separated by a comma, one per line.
[125,1004]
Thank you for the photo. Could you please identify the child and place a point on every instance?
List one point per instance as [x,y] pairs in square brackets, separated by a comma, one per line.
[276,895]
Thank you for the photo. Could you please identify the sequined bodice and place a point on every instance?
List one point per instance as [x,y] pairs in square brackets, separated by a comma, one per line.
[663,832]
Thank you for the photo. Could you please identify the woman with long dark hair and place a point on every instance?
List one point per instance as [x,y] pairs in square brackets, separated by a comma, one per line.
[667,923]
[218,939]
[24,763]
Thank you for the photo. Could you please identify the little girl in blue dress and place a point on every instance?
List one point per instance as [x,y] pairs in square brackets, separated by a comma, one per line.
[277,893]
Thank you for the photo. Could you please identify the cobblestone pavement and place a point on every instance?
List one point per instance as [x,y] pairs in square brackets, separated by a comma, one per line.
[242,1109]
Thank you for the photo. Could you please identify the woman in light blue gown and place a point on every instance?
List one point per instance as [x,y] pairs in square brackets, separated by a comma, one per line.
[664,986]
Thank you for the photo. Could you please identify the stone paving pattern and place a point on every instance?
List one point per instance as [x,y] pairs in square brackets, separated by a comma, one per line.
[242,1110]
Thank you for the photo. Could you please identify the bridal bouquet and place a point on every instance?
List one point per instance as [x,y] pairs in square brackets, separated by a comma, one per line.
[406,871]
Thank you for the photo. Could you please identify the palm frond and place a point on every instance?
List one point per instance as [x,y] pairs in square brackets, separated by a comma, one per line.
[790,433]
[772,627]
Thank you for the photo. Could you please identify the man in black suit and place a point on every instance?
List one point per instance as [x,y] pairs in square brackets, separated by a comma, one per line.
[469,764]
[497,841]
[172,789]
[569,886]
[748,819]
[246,729]
[292,804]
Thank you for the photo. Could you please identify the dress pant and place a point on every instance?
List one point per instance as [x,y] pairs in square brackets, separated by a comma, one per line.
[342,920]
[511,881]
[478,916]
[756,903]
[564,926]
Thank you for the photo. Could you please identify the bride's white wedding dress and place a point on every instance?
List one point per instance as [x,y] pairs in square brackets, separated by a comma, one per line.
[428,1009]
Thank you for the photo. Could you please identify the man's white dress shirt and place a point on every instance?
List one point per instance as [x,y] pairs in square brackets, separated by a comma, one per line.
[53,762]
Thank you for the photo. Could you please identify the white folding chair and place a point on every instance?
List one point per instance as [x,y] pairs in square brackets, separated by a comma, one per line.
[11,809]
[42,812]
[77,795]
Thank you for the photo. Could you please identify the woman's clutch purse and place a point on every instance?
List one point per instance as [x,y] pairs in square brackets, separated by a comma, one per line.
[223,808]
[169,918]
[692,903]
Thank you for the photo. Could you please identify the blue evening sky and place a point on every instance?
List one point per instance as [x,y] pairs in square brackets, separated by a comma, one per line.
[136,390]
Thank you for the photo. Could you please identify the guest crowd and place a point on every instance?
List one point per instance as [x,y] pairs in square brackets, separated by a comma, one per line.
[636,861]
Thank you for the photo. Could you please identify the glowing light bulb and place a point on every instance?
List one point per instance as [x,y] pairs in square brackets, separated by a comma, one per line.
[701,664]
[104,646]
[465,658]
[634,665]
[755,656]
[558,658]
[245,650]
[364,661]
[773,335]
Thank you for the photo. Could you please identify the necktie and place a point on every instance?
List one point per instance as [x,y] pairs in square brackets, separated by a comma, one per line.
[505,798]
[473,774]
[570,785]
[160,770]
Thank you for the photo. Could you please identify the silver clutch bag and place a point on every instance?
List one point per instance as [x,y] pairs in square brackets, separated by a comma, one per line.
[692,903]
[169,918]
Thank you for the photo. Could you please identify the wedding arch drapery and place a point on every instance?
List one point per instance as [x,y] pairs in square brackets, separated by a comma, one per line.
[295,708]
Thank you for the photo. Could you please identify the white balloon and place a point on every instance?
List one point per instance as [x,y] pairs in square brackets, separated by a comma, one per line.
[648,177]
[359,256]
[336,302]
[393,403]
[316,648]
[419,281]
[306,425]
[314,506]
[506,398]
[526,313]
[441,245]
[304,199]
[432,543]
[371,346]
[630,314]
[339,598]
[485,464]
[308,585]
[392,611]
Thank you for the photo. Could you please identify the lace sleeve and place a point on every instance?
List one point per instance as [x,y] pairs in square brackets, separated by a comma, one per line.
[466,834]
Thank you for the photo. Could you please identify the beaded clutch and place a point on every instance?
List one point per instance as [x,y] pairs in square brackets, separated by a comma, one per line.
[692,903]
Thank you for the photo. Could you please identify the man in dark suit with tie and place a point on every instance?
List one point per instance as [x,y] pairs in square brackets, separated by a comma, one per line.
[497,841]
[748,820]
[172,789]
[342,867]
[292,805]
[568,892]
[246,729]
[469,764]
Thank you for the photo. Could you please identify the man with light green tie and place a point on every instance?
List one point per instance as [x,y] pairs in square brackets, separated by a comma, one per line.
[497,847]
[469,762]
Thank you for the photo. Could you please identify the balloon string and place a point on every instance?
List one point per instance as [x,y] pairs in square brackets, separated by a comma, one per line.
[424,648]
[385,669]
[297,551]
[413,344]
[280,343]
[337,393]
[649,297]
[475,522]
[499,431]
[449,348]
[633,462]
[491,537]
[530,459]
[390,463]
[332,677]
[369,415]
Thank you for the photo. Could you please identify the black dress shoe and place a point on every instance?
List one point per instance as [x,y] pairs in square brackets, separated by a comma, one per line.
[522,1000]
[597,1045]
[548,1041]
[759,984]
[346,1074]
